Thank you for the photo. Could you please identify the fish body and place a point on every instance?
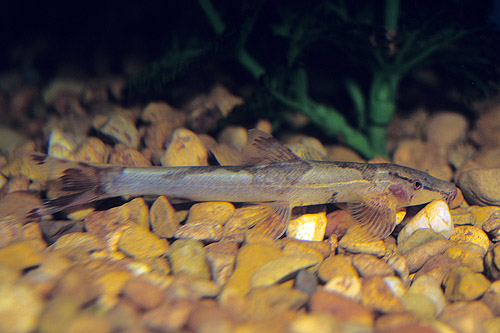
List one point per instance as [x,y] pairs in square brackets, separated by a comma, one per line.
[271,173]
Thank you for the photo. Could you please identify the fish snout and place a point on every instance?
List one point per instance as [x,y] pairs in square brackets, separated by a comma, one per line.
[451,195]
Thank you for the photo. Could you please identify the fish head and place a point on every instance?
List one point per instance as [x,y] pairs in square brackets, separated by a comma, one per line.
[411,187]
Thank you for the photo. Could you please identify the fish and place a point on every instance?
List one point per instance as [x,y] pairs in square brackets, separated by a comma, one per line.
[268,173]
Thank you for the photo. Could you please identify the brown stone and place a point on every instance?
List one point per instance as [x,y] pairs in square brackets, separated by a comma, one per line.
[128,157]
[250,258]
[377,295]
[342,308]
[221,256]
[20,308]
[188,257]
[368,265]
[438,267]
[466,317]
[22,254]
[143,293]
[417,257]
[462,284]
[162,216]
[169,317]
[137,241]
[268,302]
[281,268]
[336,265]
[201,231]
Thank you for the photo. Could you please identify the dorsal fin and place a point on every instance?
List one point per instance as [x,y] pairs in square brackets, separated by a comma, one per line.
[262,148]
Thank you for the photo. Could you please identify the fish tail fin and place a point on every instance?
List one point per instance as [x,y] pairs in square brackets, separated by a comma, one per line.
[69,184]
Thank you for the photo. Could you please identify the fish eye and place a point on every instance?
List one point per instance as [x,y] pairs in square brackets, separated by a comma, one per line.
[417,184]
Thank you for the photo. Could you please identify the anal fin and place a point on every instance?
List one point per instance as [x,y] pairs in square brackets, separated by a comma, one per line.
[275,222]
[376,217]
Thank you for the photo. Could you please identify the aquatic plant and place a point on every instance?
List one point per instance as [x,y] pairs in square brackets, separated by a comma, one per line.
[370,49]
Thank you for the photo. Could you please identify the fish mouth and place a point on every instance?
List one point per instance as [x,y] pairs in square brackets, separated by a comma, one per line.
[451,196]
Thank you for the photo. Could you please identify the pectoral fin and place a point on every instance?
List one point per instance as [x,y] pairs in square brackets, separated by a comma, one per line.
[376,216]
[275,222]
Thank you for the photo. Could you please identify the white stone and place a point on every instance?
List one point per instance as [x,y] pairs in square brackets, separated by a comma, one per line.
[435,216]
[310,227]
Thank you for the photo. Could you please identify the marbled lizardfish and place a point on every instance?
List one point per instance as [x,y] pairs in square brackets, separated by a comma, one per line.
[270,173]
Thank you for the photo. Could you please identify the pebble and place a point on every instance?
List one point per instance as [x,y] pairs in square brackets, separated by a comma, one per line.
[395,284]
[306,281]
[345,285]
[492,226]
[463,284]
[221,256]
[421,155]
[78,243]
[269,302]
[104,223]
[437,267]
[22,254]
[446,128]
[17,205]
[143,293]
[185,149]
[417,238]
[492,262]
[202,231]
[377,295]
[128,157]
[429,287]
[281,268]
[162,218]
[466,317]
[208,317]
[310,227]
[168,317]
[314,323]
[369,265]
[91,150]
[397,322]
[57,315]
[468,254]
[156,136]
[119,127]
[234,136]
[292,244]
[155,112]
[419,304]
[435,216]
[482,214]
[492,297]
[492,325]
[479,186]
[139,242]
[85,322]
[417,257]
[189,257]
[471,234]
[210,213]
[400,267]
[61,144]
[20,308]
[376,248]
[336,265]
[59,87]
[347,311]
[249,259]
